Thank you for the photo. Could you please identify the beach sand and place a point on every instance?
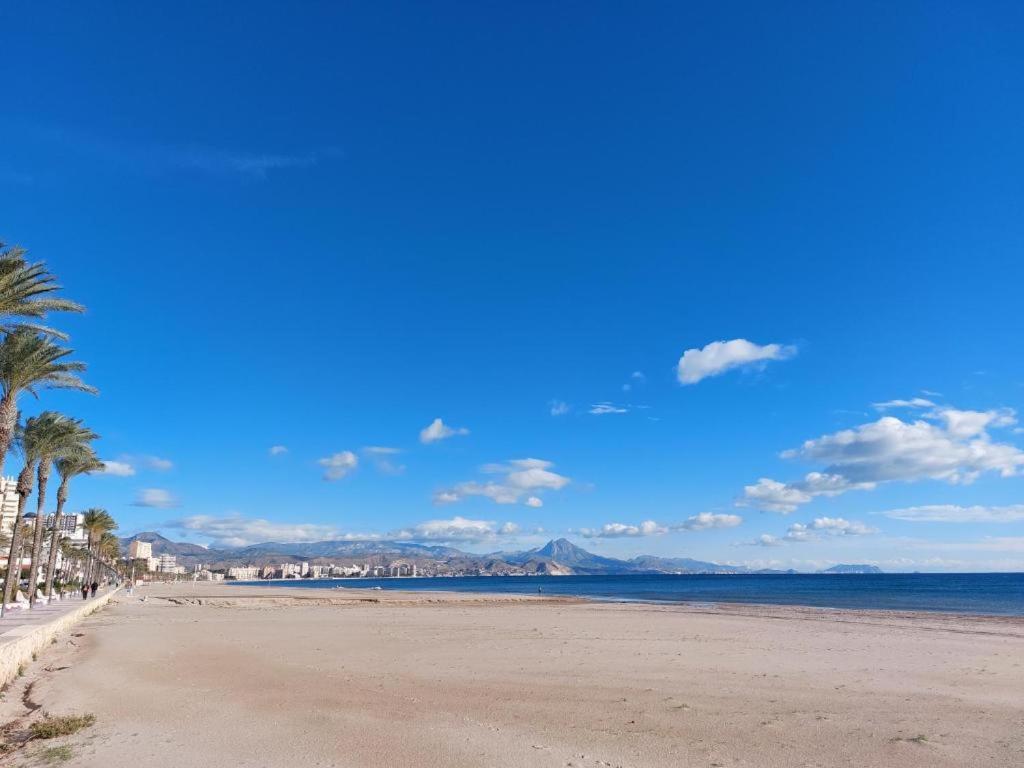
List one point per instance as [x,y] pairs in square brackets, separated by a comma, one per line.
[269,676]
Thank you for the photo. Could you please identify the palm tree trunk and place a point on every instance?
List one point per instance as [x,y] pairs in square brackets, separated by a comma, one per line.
[8,425]
[51,563]
[42,478]
[14,570]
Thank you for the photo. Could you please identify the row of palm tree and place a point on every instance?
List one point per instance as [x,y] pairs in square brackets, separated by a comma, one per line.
[33,359]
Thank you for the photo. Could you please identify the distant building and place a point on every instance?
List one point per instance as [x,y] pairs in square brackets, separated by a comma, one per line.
[289,571]
[168,564]
[244,573]
[72,527]
[8,503]
[267,572]
[304,569]
[319,571]
[140,550]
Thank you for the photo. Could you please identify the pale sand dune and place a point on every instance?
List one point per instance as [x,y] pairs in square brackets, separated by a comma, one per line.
[275,677]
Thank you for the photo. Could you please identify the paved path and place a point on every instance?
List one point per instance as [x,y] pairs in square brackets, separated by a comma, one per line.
[41,614]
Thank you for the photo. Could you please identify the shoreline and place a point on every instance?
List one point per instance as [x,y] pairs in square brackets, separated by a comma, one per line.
[695,602]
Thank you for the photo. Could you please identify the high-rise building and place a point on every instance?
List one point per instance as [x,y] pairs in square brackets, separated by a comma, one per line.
[140,550]
[8,503]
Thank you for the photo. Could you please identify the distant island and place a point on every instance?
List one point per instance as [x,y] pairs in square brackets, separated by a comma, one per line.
[559,557]
[854,568]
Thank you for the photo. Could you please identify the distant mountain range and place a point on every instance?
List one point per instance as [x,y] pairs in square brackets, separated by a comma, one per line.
[559,557]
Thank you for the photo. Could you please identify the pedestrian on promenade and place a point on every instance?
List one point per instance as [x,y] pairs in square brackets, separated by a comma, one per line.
[85,591]
[95,587]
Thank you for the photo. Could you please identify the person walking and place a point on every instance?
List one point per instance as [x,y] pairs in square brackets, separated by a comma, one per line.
[94,587]
[85,591]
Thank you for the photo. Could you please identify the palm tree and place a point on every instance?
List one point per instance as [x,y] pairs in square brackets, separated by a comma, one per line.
[60,437]
[97,522]
[109,549]
[32,436]
[29,362]
[78,463]
[26,291]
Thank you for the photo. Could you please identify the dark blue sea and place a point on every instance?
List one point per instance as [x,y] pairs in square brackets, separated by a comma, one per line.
[1000,594]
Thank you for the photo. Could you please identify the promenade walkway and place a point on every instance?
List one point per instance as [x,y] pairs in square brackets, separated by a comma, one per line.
[23,632]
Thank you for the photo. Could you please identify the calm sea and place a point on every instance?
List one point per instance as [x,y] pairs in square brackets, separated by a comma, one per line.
[981,593]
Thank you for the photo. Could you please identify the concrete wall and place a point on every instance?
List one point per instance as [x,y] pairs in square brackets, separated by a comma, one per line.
[18,644]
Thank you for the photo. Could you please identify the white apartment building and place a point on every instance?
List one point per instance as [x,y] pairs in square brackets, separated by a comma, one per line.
[8,503]
[140,550]
[244,573]
[168,564]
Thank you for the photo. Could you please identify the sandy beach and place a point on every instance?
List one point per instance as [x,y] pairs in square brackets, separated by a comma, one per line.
[267,676]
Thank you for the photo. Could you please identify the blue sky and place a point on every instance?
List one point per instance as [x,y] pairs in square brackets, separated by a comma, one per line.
[323,227]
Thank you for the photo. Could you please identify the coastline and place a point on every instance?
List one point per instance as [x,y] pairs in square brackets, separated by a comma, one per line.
[263,676]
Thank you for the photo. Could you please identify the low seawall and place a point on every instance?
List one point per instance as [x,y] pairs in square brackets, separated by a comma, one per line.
[19,644]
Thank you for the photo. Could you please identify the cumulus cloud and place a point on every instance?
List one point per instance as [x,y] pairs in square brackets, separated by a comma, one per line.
[117,468]
[602,409]
[239,531]
[155,497]
[720,356]
[950,513]
[278,450]
[438,430]
[618,530]
[337,465]
[838,526]
[799,533]
[706,520]
[456,529]
[521,477]
[381,456]
[558,407]
[946,444]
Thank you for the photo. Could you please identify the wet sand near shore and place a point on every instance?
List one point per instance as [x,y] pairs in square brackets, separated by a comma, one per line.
[272,676]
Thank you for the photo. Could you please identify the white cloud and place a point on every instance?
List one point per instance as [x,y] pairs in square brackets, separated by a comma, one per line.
[534,501]
[522,477]
[155,497]
[965,424]
[799,533]
[946,444]
[766,540]
[381,455]
[707,520]
[838,526]
[456,529]
[618,530]
[914,402]
[161,465]
[117,468]
[337,465]
[600,409]
[239,531]
[720,356]
[438,430]
[950,513]
[278,450]
[558,407]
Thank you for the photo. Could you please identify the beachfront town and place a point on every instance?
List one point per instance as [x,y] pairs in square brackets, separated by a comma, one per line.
[149,566]
[141,552]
